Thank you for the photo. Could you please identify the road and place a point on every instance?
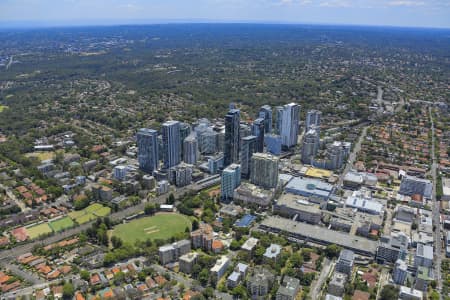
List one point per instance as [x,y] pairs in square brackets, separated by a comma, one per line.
[352,156]
[388,222]
[11,60]
[436,212]
[316,286]
[32,278]
[384,279]
[11,254]
[11,195]
[38,286]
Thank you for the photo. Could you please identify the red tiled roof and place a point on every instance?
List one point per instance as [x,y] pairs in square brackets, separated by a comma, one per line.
[360,295]
[95,279]
[79,296]
[20,234]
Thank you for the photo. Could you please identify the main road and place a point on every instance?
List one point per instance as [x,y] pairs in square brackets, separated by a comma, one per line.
[352,156]
[436,212]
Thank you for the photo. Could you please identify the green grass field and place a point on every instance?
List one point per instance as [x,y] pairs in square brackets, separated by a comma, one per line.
[85,218]
[36,231]
[61,224]
[41,155]
[93,207]
[76,214]
[89,213]
[161,226]
[102,212]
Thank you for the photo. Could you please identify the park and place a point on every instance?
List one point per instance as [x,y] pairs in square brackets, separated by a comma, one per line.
[160,226]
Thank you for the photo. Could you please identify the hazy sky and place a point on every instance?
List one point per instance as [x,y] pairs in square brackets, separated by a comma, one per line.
[421,13]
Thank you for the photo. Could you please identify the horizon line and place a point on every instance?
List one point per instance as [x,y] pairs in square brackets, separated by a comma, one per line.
[79,23]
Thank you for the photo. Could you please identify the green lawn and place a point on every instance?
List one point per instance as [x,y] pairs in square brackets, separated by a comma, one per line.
[89,213]
[76,214]
[85,218]
[102,212]
[62,224]
[93,207]
[160,226]
[36,231]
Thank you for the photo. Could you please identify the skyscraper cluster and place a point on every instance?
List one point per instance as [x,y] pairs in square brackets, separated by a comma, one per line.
[243,146]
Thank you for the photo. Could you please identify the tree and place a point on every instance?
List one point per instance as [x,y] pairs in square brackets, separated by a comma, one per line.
[235,245]
[332,251]
[196,269]
[116,242]
[208,293]
[389,292]
[68,291]
[149,209]
[203,277]
[171,199]
[239,292]
[195,225]
[296,260]
[119,277]
[85,275]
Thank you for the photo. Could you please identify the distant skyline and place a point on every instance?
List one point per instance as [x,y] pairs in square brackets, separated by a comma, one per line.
[403,13]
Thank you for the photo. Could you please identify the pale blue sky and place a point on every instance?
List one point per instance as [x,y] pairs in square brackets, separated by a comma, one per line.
[417,13]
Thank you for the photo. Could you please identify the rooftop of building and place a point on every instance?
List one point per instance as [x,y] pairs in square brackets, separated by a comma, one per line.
[310,186]
[425,273]
[254,190]
[446,186]
[318,173]
[297,202]
[250,243]
[289,286]
[362,202]
[424,251]
[266,156]
[404,290]
[241,267]
[272,251]
[234,276]
[322,234]
[189,257]
[346,255]
[222,261]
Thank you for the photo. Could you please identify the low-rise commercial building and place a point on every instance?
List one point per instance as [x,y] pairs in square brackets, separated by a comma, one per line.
[290,205]
[363,202]
[250,194]
[321,235]
[308,187]
[411,185]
